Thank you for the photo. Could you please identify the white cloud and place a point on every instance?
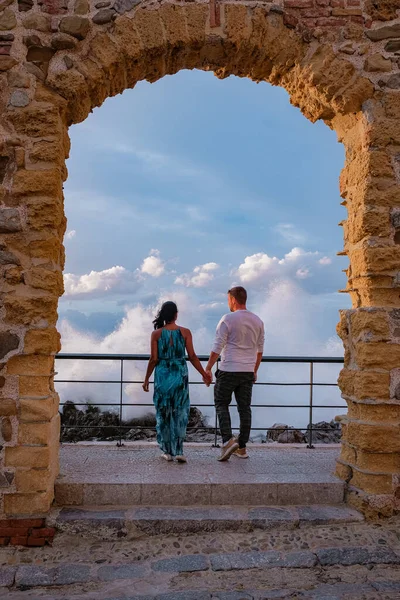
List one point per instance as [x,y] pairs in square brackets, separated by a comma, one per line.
[325,261]
[257,266]
[303,273]
[290,233]
[201,276]
[153,265]
[70,234]
[99,283]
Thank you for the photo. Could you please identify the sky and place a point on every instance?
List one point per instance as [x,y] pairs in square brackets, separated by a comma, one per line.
[182,188]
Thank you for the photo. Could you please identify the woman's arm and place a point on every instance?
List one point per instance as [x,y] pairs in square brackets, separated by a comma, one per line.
[193,357]
[153,360]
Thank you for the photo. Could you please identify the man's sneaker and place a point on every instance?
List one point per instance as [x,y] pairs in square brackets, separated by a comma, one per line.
[228,449]
[241,453]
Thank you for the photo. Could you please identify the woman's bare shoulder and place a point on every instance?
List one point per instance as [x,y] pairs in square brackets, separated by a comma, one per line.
[156,334]
[185,331]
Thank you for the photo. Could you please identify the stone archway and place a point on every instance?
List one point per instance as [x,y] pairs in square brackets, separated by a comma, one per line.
[60,58]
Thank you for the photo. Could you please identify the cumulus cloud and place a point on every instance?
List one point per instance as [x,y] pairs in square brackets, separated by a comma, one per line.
[153,265]
[201,276]
[257,266]
[70,234]
[325,260]
[115,280]
[290,233]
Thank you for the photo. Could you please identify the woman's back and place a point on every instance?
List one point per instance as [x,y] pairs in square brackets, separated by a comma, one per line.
[171,345]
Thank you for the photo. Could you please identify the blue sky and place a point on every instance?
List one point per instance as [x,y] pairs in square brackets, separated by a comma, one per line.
[180,189]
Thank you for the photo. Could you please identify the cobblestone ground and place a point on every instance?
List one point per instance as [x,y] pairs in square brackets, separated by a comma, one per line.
[333,562]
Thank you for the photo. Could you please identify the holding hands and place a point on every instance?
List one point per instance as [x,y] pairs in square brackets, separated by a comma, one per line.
[207,377]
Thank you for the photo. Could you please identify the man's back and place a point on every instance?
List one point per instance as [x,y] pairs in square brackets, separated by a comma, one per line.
[240,336]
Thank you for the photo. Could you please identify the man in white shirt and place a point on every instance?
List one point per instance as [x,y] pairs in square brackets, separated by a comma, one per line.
[240,342]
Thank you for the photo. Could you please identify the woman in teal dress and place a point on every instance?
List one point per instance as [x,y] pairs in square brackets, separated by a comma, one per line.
[171,387]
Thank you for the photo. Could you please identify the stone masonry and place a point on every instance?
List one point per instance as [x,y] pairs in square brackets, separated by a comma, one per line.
[338,59]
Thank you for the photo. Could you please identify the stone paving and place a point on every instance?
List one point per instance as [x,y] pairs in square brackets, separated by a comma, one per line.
[135,474]
[352,561]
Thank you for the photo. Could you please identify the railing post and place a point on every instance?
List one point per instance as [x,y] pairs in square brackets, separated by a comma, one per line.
[121,391]
[310,425]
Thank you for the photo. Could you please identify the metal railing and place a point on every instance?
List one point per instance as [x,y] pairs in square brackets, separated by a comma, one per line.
[122,358]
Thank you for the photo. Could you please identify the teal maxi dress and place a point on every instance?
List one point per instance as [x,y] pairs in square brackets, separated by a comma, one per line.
[171,392]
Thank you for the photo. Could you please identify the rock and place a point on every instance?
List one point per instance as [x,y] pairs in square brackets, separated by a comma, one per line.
[7,37]
[6,429]
[275,431]
[123,6]
[37,21]
[7,258]
[8,342]
[377,63]
[76,26]
[7,20]
[325,433]
[347,48]
[291,436]
[104,16]
[394,81]
[81,7]
[18,79]
[393,46]
[25,5]
[383,10]
[19,99]
[40,54]
[36,71]
[102,5]
[68,62]
[63,41]
[383,33]
[10,220]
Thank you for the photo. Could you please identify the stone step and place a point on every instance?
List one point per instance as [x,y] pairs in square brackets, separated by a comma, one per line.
[139,521]
[258,493]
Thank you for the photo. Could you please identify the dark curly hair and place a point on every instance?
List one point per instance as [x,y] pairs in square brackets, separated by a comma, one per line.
[166,314]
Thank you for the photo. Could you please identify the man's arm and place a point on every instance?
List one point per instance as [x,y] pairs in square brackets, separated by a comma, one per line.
[221,337]
[260,350]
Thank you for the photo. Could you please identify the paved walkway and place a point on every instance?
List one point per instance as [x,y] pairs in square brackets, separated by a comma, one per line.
[357,561]
[136,474]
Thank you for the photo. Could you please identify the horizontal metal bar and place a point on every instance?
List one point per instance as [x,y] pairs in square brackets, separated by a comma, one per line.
[213,405]
[188,429]
[191,382]
[202,357]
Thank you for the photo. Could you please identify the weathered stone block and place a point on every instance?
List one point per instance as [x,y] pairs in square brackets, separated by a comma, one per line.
[44,213]
[36,433]
[7,20]
[42,341]
[377,355]
[372,483]
[30,365]
[370,324]
[51,281]
[372,384]
[373,437]
[375,260]
[32,386]
[40,409]
[46,182]
[10,220]
[28,504]
[379,412]
[33,480]
[31,311]
[36,121]
[37,21]
[25,456]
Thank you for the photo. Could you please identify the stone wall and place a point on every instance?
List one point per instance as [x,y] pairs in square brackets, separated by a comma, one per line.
[339,61]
